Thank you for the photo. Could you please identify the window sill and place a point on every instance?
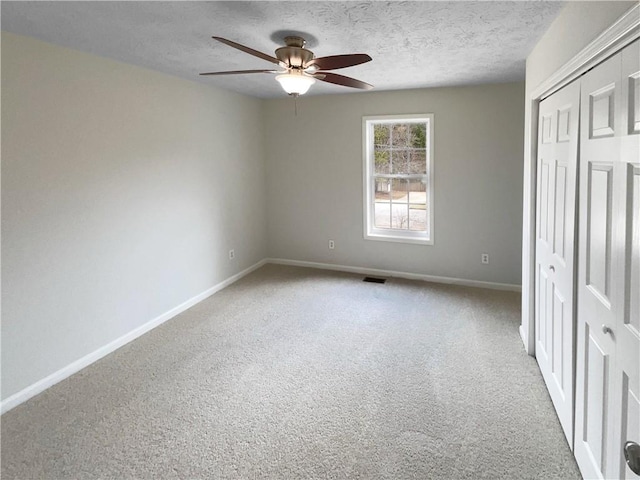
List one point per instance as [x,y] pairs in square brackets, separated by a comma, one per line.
[390,237]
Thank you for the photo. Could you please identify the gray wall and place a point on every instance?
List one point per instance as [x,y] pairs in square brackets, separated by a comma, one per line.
[314,181]
[122,192]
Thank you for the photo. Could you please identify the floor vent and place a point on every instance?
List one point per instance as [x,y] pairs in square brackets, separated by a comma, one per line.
[374,280]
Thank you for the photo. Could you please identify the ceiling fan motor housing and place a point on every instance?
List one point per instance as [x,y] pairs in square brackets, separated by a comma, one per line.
[294,55]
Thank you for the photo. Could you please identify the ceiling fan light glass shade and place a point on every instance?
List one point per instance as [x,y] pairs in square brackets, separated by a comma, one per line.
[295,83]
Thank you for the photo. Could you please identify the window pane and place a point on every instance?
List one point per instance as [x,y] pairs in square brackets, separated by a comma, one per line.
[419,135]
[381,134]
[399,206]
[417,191]
[399,190]
[382,189]
[399,161]
[418,217]
[382,205]
[418,162]
[382,161]
[400,135]
[382,215]
[400,216]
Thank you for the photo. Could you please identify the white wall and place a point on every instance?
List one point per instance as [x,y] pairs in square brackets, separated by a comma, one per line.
[122,191]
[577,25]
[314,181]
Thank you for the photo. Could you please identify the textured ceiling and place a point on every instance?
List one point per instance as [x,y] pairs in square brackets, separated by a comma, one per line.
[413,44]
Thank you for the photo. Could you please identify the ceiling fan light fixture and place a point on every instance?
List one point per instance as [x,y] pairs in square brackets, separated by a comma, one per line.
[295,83]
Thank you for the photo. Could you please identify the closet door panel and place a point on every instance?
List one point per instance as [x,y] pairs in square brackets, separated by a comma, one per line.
[591,441]
[632,262]
[599,225]
[599,151]
[629,425]
[608,348]
[626,375]
[557,178]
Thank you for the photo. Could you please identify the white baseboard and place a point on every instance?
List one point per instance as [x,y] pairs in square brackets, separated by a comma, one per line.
[392,273]
[525,341]
[65,372]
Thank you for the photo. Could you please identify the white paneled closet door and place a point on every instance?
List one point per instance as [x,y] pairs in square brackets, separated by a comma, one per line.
[626,380]
[608,339]
[555,226]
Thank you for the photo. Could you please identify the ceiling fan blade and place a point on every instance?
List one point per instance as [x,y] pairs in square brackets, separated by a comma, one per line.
[339,61]
[239,72]
[341,80]
[248,50]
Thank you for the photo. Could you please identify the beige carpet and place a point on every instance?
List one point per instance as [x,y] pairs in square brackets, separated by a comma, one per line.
[299,373]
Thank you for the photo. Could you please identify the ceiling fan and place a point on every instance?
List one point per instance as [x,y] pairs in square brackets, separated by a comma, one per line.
[301,67]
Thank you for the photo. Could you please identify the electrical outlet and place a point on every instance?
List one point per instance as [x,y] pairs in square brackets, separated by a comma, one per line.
[232,254]
[485,258]
[332,244]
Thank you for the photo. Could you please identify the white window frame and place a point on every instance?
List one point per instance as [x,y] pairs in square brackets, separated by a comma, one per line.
[388,234]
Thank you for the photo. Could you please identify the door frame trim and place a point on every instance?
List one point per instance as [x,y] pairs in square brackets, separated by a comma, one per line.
[623,32]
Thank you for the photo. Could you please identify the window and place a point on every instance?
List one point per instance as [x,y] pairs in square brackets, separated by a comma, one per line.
[398,178]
